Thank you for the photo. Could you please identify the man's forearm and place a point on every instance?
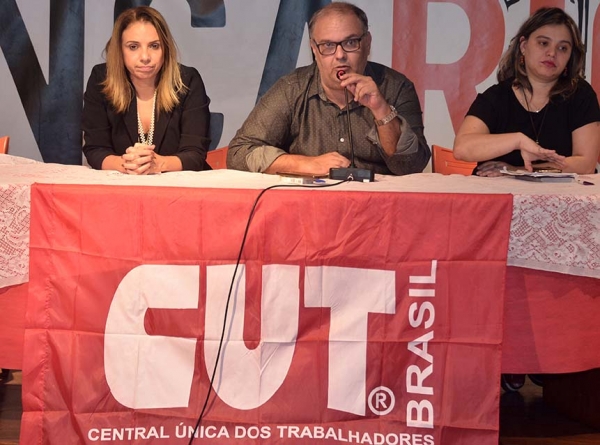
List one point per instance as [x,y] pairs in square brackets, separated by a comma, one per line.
[288,163]
[389,135]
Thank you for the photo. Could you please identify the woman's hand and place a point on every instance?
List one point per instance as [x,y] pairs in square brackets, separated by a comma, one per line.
[531,151]
[141,160]
[491,169]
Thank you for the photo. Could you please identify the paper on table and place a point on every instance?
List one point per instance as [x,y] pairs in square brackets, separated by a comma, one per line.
[540,176]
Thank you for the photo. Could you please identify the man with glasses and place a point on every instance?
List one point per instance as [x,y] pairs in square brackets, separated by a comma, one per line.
[300,124]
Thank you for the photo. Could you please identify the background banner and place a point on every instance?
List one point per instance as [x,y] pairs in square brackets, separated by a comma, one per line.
[450,50]
[342,327]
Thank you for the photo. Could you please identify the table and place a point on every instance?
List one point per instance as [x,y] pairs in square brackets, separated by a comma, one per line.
[530,338]
[555,228]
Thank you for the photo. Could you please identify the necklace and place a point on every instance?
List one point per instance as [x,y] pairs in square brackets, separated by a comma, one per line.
[143,139]
[536,131]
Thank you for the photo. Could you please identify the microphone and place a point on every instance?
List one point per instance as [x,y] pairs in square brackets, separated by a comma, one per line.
[351,173]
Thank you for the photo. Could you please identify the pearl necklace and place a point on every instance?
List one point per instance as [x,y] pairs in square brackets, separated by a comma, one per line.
[150,138]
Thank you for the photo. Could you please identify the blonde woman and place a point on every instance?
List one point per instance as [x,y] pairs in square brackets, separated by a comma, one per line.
[143,112]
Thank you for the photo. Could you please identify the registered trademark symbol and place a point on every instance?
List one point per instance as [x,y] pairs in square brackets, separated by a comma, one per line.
[381,401]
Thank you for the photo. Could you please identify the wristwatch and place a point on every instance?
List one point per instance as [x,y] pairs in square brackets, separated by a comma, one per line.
[387,119]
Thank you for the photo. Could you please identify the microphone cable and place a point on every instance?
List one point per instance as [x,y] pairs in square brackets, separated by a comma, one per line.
[239,257]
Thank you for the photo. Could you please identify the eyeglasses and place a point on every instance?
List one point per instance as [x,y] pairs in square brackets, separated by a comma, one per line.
[348,45]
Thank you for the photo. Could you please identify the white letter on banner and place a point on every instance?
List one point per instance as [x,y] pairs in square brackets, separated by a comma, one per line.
[351,294]
[145,371]
[245,378]
[419,414]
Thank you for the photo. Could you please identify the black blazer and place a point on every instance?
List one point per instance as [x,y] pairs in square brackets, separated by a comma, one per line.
[183,132]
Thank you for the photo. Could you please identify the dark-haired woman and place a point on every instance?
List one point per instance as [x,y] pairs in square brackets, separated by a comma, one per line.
[542,113]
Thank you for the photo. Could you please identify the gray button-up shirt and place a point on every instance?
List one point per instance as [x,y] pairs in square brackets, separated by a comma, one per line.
[296,117]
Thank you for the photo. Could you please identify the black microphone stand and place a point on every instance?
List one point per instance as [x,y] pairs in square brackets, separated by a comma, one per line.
[351,173]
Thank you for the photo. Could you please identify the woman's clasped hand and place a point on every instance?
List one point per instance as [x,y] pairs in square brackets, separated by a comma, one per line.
[141,160]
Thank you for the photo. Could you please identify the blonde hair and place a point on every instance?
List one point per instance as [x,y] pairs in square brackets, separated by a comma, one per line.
[117,87]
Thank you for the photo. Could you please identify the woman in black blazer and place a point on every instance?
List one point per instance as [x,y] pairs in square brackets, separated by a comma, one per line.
[143,112]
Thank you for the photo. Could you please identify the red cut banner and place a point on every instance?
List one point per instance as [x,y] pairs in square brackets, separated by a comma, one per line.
[367,318]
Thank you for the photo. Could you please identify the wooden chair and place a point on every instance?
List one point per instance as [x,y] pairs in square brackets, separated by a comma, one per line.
[4,144]
[217,158]
[445,163]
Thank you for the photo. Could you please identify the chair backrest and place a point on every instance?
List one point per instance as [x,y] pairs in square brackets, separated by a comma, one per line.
[4,144]
[445,163]
[217,158]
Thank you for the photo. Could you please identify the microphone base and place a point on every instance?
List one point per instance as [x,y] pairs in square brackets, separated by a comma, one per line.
[352,174]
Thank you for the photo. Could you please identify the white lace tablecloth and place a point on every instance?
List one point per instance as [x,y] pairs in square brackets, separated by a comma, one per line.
[555,227]
[14,234]
[558,233]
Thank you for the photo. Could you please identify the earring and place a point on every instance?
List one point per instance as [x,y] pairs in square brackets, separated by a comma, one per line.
[565,72]
[522,60]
